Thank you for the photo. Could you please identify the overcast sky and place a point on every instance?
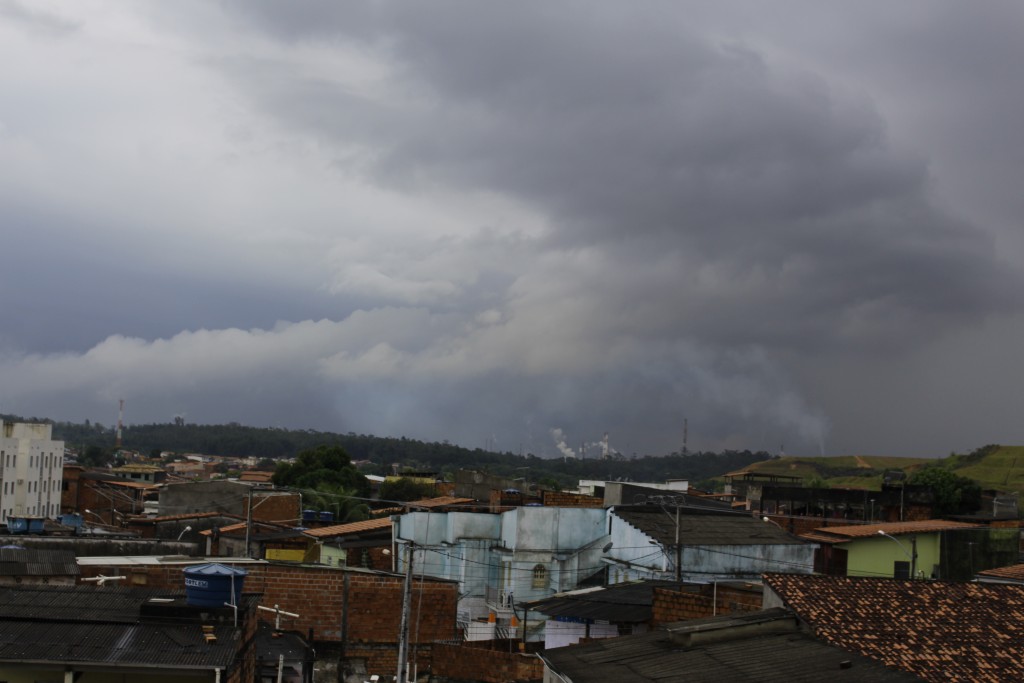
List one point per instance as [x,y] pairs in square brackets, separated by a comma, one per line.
[519,225]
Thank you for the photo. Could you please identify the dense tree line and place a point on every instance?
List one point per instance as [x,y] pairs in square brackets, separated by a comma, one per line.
[380,455]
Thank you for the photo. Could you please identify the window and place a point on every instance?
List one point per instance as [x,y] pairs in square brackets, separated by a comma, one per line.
[901,570]
[540,576]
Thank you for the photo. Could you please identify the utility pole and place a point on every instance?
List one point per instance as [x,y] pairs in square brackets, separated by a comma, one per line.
[248,523]
[679,549]
[913,557]
[403,628]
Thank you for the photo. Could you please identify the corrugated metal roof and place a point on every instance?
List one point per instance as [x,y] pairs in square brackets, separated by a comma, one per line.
[149,560]
[72,603]
[113,626]
[182,517]
[790,657]
[149,645]
[441,502]
[37,562]
[626,603]
[707,528]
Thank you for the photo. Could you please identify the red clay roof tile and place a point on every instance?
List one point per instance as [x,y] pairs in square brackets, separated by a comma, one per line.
[937,630]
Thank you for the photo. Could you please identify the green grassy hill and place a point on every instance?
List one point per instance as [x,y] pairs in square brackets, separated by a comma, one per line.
[994,467]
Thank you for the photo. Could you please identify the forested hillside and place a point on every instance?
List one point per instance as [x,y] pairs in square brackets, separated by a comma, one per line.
[384,454]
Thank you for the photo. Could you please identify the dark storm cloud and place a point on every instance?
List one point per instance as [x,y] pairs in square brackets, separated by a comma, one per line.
[637,135]
[516,223]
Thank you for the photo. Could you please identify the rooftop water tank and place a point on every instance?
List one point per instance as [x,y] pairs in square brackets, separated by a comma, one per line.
[326,516]
[309,515]
[210,585]
[72,519]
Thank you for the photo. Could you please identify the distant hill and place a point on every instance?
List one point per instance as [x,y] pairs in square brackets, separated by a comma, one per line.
[381,454]
[993,467]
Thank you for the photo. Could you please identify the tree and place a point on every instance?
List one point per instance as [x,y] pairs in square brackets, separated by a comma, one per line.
[95,456]
[953,494]
[322,465]
[345,505]
[405,490]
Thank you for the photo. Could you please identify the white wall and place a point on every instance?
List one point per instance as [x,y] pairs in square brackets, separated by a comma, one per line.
[637,558]
[32,471]
[562,633]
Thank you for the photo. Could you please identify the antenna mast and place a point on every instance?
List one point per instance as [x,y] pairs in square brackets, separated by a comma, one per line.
[120,422]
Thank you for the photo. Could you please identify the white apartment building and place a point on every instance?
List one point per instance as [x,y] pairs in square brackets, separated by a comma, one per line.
[31,471]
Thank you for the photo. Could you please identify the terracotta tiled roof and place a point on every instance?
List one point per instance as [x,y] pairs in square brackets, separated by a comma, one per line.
[224,529]
[1012,573]
[815,537]
[352,528]
[936,630]
[240,526]
[256,476]
[840,534]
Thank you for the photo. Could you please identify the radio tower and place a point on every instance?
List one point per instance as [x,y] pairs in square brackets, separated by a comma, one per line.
[685,426]
[120,422]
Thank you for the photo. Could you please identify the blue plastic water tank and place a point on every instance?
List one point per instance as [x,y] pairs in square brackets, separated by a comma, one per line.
[72,519]
[309,515]
[326,516]
[209,585]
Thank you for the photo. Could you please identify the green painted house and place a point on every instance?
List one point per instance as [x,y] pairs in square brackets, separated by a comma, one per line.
[891,549]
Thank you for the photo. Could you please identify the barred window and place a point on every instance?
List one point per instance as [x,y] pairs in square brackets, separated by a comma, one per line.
[540,576]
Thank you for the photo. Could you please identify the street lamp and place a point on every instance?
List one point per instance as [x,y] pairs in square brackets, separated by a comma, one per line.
[911,555]
[96,515]
[184,531]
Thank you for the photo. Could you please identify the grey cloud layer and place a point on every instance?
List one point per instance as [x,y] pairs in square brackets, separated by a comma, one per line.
[520,218]
[642,139]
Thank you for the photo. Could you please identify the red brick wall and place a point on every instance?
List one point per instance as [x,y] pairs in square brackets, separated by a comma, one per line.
[570,500]
[69,488]
[318,594]
[277,507]
[672,605]
[464,662]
